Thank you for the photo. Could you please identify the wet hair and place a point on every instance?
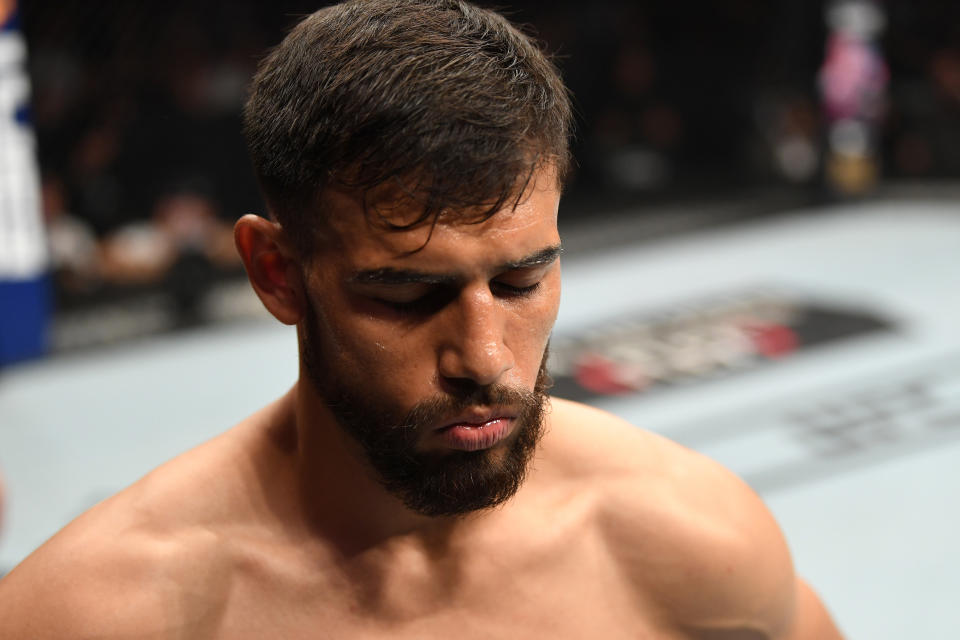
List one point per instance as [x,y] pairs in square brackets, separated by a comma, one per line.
[439,101]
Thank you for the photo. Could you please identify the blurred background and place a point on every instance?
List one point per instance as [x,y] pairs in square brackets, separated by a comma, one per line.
[136,112]
[762,238]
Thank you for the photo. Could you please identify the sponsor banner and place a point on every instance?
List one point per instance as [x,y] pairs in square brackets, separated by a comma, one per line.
[700,341]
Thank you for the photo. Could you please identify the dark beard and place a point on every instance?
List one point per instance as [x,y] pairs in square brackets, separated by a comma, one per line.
[430,483]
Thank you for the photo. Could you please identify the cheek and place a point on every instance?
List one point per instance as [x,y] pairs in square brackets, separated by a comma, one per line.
[369,346]
[531,326]
[551,302]
[348,345]
[364,353]
[392,361]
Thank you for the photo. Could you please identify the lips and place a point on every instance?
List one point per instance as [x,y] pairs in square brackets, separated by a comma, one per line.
[474,432]
[477,420]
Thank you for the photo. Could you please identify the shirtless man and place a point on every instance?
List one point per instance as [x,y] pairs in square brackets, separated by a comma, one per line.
[416,482]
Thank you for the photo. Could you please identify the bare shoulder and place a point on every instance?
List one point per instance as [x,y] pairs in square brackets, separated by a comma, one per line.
[110,573]
[151,561]
[694,541]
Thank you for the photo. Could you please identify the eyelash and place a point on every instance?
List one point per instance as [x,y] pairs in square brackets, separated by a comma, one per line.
[517,292]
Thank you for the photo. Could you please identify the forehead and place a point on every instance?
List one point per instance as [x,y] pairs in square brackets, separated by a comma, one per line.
[362,237]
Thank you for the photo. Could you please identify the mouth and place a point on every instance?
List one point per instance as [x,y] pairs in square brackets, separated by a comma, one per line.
[476,431]
[477,419]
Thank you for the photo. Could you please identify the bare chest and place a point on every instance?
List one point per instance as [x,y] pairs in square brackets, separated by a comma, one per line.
[576,594]
[575,610]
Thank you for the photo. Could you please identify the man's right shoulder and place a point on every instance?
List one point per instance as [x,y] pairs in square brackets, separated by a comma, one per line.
[114,571]
[123,567]
[110,574]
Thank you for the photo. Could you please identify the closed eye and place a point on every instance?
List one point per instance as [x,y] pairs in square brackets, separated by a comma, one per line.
[512,291]
[426,304]
[436,299]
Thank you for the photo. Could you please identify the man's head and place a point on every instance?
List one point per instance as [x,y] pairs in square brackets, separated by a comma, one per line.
[412,155]
[439,100]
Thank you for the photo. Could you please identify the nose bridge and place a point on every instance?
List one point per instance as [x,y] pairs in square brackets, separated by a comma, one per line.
[476,347]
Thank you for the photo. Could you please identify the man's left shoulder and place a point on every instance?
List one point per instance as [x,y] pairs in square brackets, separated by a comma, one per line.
[692,538]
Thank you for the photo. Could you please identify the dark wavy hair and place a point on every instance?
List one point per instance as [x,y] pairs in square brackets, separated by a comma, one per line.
[445,101]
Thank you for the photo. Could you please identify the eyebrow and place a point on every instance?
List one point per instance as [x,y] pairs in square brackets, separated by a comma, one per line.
[392,276]
[542,257]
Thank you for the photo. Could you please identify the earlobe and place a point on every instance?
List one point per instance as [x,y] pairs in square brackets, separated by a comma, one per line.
[271,267]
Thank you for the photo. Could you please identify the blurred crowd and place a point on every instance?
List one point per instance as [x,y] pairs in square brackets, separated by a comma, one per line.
[137,112]
[137,117]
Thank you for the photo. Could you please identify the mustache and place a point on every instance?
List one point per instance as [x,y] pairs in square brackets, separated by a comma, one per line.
[434,410]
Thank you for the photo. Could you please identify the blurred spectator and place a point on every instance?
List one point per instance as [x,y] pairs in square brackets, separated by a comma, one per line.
[636,133]
[790,126]
[137,253]
[93,172]
[853,82]
[183,223]
[74,251]
[945,72]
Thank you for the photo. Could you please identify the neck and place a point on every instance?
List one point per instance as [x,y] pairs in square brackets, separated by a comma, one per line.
[341,497]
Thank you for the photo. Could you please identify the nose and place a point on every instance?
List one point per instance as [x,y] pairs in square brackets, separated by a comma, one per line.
[473,348]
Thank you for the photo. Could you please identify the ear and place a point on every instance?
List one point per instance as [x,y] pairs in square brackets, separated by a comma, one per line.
[271,266]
